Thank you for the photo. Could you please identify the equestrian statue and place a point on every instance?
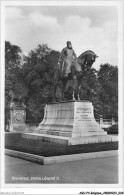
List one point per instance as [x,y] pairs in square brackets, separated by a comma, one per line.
[71,67]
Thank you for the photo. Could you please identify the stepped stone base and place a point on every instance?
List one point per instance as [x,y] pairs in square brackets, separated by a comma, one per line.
[70,123]
[69,140]
[70,134]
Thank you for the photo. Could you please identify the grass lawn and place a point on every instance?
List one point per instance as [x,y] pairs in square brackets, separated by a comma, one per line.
[15,142]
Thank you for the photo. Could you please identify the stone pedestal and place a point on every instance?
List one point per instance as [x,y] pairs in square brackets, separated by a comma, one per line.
[70,119]
[17,117]
[69,123]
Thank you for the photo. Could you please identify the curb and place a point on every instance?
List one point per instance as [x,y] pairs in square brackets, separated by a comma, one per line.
[58,159]
[25,156]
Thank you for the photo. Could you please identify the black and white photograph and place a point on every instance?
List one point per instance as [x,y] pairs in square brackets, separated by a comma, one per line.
[62,96]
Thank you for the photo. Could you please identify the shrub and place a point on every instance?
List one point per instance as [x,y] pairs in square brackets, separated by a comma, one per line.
[112,130]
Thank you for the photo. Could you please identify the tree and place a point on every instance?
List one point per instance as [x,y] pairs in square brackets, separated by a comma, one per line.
[13,78]
[90,90]
[12,56]
[108,79]
[37,73]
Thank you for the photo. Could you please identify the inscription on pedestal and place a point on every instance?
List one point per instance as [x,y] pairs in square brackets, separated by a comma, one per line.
[84,114]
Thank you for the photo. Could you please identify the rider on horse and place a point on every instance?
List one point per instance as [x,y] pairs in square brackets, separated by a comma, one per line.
[67,56]
[72,68]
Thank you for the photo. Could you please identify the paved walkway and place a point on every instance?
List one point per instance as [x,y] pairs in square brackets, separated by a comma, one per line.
[91,171]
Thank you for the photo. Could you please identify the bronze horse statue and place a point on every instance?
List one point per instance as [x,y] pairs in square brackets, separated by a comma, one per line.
[83,63]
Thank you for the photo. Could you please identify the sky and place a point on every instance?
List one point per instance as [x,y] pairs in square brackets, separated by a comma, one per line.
[87,27]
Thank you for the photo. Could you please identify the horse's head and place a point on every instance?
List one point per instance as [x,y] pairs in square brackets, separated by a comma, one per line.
[87,58]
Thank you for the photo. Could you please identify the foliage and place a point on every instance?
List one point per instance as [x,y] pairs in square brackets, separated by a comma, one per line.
[12,56]
[112,130]
[13,78]
[38,71]
[14,85]
[108,78]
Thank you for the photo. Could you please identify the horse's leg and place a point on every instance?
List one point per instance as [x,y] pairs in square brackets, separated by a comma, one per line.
[79,88]
[56,81]
[64,83]
[73,92]
[78,94]
[73,96]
